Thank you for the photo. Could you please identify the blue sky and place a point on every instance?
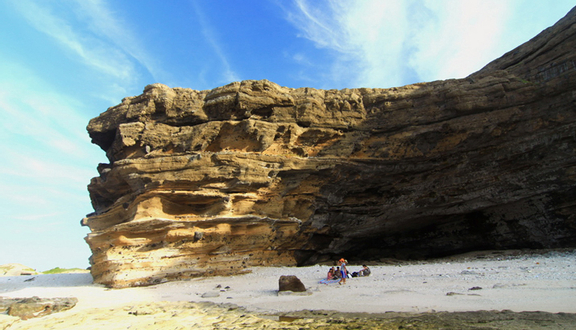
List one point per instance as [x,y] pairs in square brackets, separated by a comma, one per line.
[64,62]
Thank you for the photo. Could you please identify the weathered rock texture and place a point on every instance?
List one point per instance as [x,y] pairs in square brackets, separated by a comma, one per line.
[252,173]
[27,308]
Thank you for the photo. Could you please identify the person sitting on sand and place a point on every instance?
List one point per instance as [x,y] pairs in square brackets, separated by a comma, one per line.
[365,271]
[343,271]
[337,273]
[330,275]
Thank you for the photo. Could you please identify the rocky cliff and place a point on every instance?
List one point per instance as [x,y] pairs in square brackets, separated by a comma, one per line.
[252,173]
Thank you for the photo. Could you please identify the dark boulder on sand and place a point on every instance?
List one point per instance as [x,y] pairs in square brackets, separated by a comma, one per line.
[290,283]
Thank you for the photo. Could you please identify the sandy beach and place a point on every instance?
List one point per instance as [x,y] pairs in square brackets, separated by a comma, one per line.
[491,281]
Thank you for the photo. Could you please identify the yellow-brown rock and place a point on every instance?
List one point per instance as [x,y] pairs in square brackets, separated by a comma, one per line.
[252,173]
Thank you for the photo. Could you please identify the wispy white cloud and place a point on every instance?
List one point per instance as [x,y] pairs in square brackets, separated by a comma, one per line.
[301,59]
[460,39]
[229,75]
[95,35]
[62,175]
[357,32]
[38,117]
[47,156]
[102,21]
[390,43]
[48,159]
[93,51]
[46,165]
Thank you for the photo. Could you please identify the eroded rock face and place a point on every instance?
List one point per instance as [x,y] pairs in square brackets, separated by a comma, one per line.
[252,173]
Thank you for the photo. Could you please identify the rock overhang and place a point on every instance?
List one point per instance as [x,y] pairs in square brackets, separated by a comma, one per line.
[253,173]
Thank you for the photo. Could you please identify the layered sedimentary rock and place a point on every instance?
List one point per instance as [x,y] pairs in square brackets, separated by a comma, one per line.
[252,173]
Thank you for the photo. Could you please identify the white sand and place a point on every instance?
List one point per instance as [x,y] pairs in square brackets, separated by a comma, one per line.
[544,282]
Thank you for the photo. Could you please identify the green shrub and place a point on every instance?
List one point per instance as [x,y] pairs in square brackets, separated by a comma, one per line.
[59,270]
